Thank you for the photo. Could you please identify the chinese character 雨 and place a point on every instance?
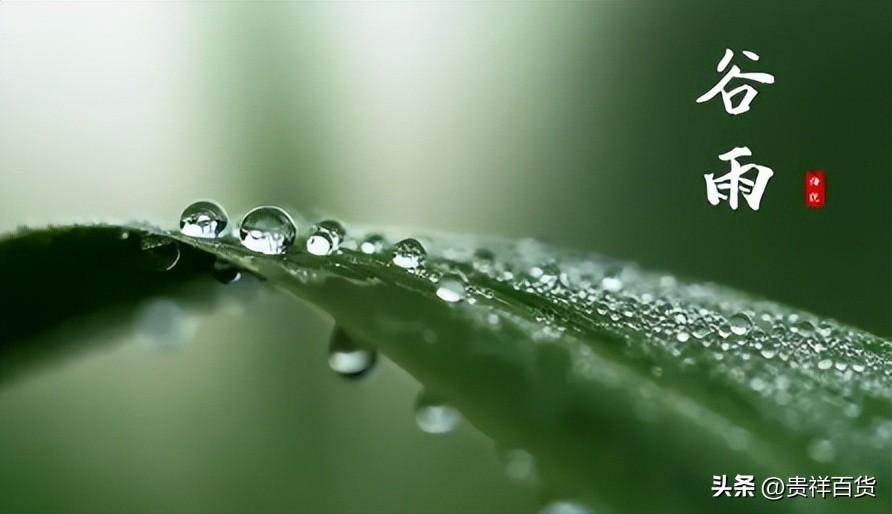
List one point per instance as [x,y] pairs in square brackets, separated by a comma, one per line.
[748,91]
[730,184]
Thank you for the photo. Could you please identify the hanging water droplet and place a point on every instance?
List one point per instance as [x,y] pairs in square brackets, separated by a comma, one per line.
[372,244]
[435,416]
[225,273]
[451,290]
[348,358]
[204,219]
[408,254]
[740,324]
[268,230]
[161,254]
[326,238]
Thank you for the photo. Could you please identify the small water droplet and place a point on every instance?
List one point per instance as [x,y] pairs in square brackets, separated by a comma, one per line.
[164,324]
[162,254]
[408,254]
[326,238]
[520,465]
[825,364]
[482,260]
[348,358]
[451,290]
[804,328]
[435,416]
[565,507]
[372,244]
[204,219]
[682,337]
[740,324]
[268,230]
[821,450]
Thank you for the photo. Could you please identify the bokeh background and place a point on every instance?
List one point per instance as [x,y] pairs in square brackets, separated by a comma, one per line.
[572,122]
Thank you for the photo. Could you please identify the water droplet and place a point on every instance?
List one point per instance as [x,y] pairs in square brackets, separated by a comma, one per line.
[268,230]
[804,328]
[348,358]
[435,416]
[740,324]
[520,465]
[682,337]
[164,324]
[482,260]
[611,284]
[565,507]
[326,238]
[408,254]
[225,273]
[204,219]
[821,450]
[161,254]
[451,289]
[372,244]
[825,364]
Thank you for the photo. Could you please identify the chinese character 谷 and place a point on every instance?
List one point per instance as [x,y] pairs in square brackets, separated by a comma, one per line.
[729,185]
[748,91]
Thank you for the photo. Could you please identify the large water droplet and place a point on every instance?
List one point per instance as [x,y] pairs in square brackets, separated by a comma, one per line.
[161,254]
[327,236]
[204,219]
[348,358]
[451,289]
[408,254]
[740,324]
[268,230]
[434,416]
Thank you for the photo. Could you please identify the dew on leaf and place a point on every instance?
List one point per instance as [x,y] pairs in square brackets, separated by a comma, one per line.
[408,254]
[268,230]
[451,290]
[372,244]
[326,238]
[740,324]
[204,219]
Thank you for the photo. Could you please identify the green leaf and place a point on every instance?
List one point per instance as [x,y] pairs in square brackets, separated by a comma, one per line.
[619,381]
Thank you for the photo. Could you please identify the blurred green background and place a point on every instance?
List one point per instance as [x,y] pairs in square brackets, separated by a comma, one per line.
[572,122]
